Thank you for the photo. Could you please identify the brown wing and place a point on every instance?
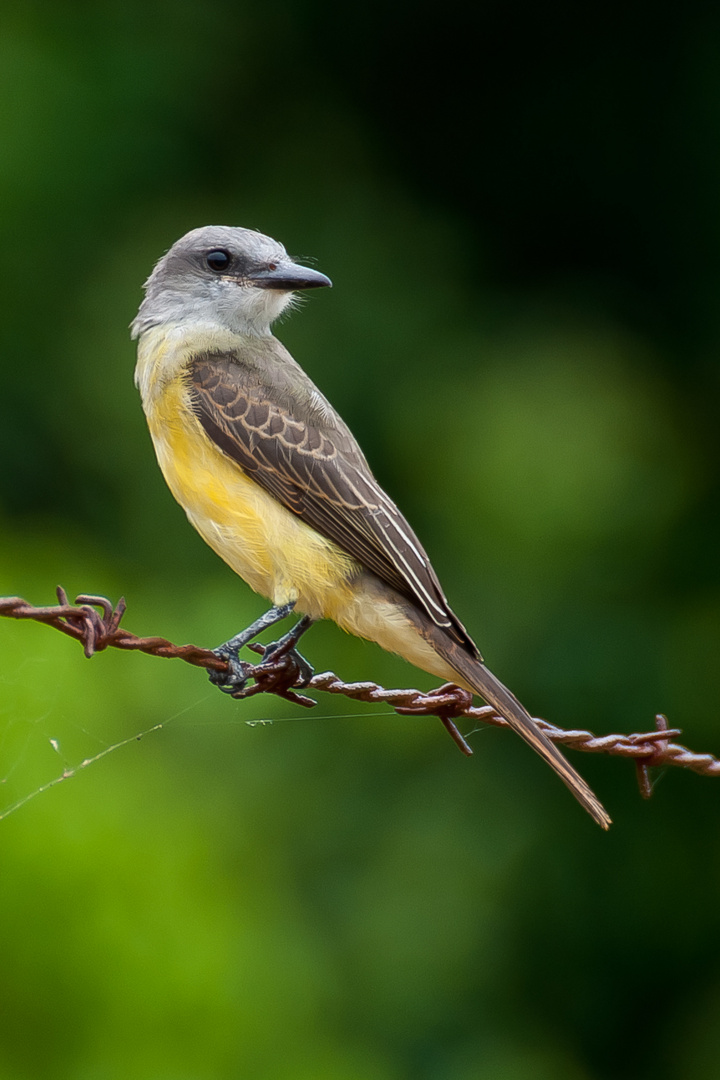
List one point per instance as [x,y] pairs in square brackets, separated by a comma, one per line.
[316,471]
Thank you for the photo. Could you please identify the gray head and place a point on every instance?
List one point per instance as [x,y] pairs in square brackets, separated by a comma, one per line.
[234,278]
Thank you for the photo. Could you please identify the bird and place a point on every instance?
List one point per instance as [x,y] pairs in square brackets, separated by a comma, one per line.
[274,481]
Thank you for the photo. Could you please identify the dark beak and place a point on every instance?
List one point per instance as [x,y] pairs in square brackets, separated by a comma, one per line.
[288,277]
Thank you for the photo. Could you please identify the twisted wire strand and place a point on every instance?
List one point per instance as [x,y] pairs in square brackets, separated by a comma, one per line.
[94,622]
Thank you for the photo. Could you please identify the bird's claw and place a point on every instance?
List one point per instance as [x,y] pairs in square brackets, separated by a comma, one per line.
[297,671]
[234,680]
[282,667]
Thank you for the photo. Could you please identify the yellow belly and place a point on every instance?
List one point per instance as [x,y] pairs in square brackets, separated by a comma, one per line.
[268,546]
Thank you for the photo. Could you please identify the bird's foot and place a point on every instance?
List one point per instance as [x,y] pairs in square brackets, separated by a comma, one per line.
[234,680]
[282,656]
[281,669]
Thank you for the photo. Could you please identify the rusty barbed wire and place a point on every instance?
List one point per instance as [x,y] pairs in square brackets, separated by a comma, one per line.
[100,629]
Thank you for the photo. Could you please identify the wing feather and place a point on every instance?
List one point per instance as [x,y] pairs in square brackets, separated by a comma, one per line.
[314,468]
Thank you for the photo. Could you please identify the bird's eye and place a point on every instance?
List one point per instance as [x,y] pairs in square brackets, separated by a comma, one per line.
[218,260]
[272,267]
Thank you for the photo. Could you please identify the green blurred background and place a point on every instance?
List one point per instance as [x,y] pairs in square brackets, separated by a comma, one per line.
[518,206]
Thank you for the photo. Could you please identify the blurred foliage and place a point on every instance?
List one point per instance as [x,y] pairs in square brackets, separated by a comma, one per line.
[518,208]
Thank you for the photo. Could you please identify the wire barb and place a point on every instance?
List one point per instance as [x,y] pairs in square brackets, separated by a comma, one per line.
[100,629]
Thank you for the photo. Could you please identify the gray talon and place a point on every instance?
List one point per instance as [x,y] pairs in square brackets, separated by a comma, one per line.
[305,670]
[233,680]
[235,677]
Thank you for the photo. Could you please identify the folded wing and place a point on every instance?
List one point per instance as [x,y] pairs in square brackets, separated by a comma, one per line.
[315,471]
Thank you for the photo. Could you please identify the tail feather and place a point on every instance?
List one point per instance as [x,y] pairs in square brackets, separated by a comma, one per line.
[482,681]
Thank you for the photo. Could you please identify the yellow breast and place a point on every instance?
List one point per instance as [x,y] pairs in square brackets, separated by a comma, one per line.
[267,545]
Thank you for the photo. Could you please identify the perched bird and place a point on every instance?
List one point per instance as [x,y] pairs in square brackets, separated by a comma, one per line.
[274,481]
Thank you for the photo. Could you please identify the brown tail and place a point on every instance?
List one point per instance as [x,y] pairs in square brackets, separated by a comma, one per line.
[484,683]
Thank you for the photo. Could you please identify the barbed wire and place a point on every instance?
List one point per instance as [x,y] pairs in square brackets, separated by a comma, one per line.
[94,622]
